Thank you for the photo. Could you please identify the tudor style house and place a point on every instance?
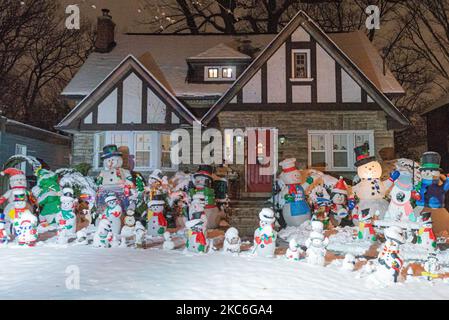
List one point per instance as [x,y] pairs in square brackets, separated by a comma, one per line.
[323,93]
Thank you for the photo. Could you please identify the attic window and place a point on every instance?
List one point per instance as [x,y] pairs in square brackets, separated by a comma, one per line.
[301,64]
[225,73]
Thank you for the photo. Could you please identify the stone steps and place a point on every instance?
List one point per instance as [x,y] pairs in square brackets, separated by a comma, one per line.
[245,214]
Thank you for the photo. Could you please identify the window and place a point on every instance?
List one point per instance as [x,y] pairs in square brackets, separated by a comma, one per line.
[301,64]
[151,149]
[22,150]
[334,150]
[225,73]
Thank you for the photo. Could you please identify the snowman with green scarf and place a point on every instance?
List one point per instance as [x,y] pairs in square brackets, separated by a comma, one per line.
[67,217]
[48,194]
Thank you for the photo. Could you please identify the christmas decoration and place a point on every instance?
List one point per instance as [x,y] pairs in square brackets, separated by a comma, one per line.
[431,267]
[139,234]
[114,178]
[232,241]
[156,221]
[371,190]
[340,207]
[168,242]
[66,217]
[48,194]
[196,235]
[103,236]
[433,186]
[426,236]
[390,262]
[25,223]
[294,251]
[197,206]
[113,213]
[400,208]
[292,198]
[4,238]
[348,263]
[365,226]
[127,233]
[17,180]
[321,205]
[265,236]
[316,245]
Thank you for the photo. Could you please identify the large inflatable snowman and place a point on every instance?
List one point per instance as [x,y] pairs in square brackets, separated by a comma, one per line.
[265,236]
[114,178]
[292,197]
[371,190]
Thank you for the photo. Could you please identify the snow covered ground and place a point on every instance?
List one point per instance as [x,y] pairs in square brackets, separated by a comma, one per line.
[127,273]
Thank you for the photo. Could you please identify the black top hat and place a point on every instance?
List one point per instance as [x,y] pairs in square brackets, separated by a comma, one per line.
[204,170]
[362,155]
[110,150]
[426,217]
[430,161]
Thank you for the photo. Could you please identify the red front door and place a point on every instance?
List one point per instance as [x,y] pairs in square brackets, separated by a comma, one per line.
[259,160]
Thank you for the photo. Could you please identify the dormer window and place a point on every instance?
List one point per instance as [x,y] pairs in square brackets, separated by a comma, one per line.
[219,73]
[301,65]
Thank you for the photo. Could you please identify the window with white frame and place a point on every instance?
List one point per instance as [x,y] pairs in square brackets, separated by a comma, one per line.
[151,149]
[217,73]
[22,150]
[301,64]
[334,150]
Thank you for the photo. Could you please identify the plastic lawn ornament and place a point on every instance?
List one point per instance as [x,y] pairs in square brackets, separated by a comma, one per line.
[232,241]
[155,215]
[265,236]
[25,223]
[426,236]
[400,208]
[390,262]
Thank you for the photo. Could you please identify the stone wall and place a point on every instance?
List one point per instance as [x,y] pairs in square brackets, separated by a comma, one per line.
[82,148]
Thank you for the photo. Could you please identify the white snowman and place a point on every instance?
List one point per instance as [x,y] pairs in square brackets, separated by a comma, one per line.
[66,217]
[348,263]
[168,242]
[316,245]
[103,237]
[196,235]
[113,213]
[294,250]
[24,221]
[17,181]
[232,241]
[371,189]
[390,262]
[197,206]
[400,208]
[292,197]
[127,233]
[139,235]
[156,221]
[431,267]
[265,236]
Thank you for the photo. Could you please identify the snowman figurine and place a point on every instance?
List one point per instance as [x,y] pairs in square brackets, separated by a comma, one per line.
[431,267]
[197,206]
[390,262]
[316,245]
[66,217]
[168,242]
[196,235]
[113,213]
[400,208]
[103,237]
[156,221]
[17,181]
[232,241]
[292,197]
[426,236]
[139,235]
[294,250]
[25,223]
[127,232]
[370,190]
[265,236]
[365,226]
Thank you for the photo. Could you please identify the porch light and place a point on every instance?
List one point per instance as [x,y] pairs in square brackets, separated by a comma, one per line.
[282,139]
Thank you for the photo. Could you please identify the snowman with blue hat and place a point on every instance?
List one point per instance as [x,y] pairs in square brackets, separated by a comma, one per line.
[400,207]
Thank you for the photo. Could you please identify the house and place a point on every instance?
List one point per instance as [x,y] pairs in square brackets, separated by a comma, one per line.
[323,93]
[20,138]
[437,117]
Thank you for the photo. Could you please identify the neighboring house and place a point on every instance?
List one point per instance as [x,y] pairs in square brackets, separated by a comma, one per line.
[324,93]
[19,138]
[437,120]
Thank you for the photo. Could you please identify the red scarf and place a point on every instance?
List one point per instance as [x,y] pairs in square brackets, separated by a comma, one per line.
[431,233]
[200,238]
[369,226]
[160,218]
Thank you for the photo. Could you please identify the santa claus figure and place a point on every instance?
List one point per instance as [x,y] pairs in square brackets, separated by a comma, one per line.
[24,222]
[426,236]
[292,198]
[114,178]
[17,181]
[370,191]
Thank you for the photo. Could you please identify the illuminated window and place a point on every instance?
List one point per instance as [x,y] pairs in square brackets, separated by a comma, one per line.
[215,73]
[212,73]
[227,73]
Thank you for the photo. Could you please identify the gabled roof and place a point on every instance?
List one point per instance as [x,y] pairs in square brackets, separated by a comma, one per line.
[128,63]
[302,19]
[220,51]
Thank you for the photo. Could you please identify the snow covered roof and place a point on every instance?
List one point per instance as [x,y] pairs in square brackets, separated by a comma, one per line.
[170,53]
[220,51]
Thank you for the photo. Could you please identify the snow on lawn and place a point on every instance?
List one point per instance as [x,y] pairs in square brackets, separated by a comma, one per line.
[126,273]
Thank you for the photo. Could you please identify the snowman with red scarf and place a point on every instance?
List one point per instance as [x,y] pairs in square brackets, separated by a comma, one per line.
[196,235]
[25,223]
[365,227]
[426,236]
[292,197]
[113,213]
[390,262]
[156,221]
[265,236]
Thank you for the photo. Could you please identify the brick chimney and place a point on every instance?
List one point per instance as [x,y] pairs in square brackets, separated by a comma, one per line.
[105,33]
